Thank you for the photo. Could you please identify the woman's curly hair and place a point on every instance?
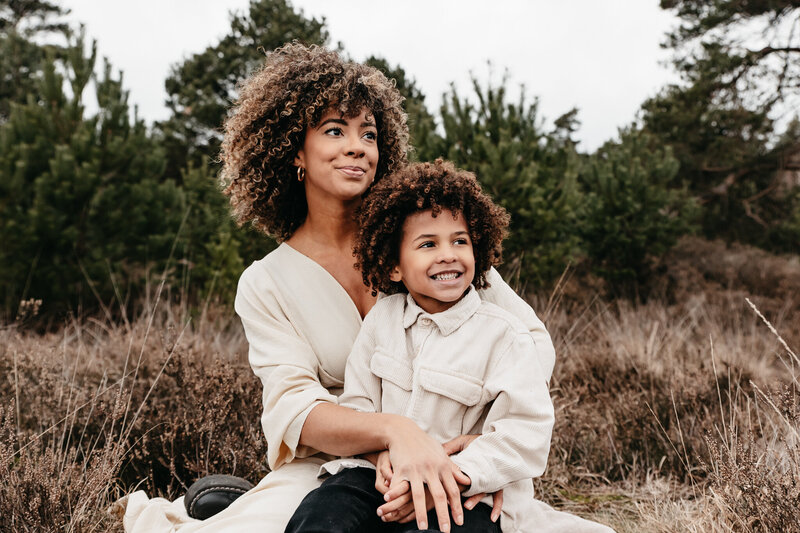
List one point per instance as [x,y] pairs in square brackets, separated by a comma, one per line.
[419,187]
[291,92]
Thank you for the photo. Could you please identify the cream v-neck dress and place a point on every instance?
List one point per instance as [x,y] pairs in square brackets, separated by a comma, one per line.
[301,324]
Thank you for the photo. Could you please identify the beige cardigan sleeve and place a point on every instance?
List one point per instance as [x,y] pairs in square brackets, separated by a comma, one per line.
[500,294]
[285,363]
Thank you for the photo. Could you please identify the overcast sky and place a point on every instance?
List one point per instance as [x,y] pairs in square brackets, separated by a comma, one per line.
[601,56]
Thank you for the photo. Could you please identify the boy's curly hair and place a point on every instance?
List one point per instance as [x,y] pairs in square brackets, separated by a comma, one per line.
[419,187]
[289,94]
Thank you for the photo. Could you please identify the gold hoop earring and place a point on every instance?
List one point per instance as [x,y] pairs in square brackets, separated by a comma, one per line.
[301,173]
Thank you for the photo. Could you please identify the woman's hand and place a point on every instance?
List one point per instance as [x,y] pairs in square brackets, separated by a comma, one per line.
[419,461]
[459,444]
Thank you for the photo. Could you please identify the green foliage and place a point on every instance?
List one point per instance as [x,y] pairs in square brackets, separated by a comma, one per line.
[82,200]
[421,123]
[21,59]
[631,214]
[742,50]
[531,174]
[201,89]
[719,122]
[211,247]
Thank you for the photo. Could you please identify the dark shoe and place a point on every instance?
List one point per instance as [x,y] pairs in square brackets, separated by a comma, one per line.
[211,494]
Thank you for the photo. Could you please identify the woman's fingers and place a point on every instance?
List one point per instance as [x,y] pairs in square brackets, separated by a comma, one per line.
[418,494]
[440,499]
[454,497]
[497,505]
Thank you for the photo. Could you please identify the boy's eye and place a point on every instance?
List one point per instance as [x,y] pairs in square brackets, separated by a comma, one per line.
[462,240]
[426,244]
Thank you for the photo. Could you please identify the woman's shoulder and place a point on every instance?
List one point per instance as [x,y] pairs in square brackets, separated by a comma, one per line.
[280,259]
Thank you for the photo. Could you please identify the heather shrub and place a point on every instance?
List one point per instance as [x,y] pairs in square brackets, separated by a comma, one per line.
[201,417]
[49,487]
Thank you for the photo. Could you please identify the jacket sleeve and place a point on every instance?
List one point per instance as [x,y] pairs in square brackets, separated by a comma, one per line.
[500,294]
[362,388]
[515,437]
[284,362]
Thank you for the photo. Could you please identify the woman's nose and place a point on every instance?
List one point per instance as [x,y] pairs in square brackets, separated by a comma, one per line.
[353,146]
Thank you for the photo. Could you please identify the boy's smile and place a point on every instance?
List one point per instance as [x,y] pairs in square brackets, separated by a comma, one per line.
[436,262]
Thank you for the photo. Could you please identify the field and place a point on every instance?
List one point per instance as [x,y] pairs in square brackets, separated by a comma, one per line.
[678,414]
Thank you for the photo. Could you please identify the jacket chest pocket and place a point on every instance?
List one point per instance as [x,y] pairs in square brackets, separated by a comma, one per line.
[448,396]
[396,379]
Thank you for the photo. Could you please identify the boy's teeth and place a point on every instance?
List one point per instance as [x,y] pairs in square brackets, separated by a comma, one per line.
[445,277]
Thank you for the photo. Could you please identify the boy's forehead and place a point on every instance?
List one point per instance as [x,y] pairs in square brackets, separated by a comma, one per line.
[424,221]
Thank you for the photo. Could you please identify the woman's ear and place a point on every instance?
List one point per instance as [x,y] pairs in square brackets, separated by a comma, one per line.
[300,159]
[395,275]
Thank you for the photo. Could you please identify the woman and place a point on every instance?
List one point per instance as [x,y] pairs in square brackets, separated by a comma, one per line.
[309,135]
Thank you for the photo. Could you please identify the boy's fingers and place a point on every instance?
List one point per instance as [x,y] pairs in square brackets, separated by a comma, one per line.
[473,500]
[396,505]
[497,505]
[399,488]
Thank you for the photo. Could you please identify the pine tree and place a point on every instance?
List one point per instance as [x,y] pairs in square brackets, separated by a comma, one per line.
[531,173]
[25,26]
[84,208]
[738,62]
[632,215]
[201,89]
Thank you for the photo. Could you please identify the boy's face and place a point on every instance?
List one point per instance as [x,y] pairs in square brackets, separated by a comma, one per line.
[436,260]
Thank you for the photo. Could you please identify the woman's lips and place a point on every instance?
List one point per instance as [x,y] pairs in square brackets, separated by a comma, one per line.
[353,172]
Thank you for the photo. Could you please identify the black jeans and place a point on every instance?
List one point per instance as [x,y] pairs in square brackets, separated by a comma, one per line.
[347,503]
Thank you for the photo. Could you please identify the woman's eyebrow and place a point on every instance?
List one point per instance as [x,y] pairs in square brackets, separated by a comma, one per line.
[340,121]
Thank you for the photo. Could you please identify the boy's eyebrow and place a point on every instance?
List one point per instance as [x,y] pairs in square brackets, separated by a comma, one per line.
[432,235]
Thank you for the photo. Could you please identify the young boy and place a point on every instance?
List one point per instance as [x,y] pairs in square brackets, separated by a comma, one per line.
[434,351]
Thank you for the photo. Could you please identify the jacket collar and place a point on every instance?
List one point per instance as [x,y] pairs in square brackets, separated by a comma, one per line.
[447,321]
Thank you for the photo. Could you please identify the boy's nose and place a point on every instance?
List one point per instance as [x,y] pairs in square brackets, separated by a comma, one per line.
[447,255]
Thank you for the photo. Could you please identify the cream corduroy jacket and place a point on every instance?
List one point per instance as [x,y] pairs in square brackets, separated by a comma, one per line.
[472,369]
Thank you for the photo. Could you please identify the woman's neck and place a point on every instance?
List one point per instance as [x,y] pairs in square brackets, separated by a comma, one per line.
[330,225]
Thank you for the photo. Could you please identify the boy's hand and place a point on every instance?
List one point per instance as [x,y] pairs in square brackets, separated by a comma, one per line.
[383,471]
[401,509]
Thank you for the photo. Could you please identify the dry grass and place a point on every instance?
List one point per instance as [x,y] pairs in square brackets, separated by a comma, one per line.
[676,416]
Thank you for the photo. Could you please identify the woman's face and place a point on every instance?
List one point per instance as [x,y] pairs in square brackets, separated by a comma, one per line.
[340,156]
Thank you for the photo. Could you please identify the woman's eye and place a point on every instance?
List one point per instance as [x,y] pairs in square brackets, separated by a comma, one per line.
[371,135]
[333,131]
[461,241]
[426,244]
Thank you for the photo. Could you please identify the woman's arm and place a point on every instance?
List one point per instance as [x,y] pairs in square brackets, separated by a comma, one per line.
[500,294]
[301,417]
